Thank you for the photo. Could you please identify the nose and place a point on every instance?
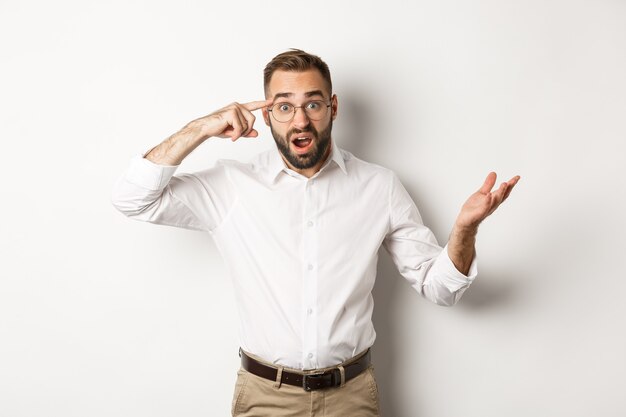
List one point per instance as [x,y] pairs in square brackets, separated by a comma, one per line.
[300,119]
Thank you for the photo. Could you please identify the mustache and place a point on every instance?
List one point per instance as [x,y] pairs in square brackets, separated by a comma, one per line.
[309,129]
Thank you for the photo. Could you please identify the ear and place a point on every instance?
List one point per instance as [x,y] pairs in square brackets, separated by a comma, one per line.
[266,116]
[333,106]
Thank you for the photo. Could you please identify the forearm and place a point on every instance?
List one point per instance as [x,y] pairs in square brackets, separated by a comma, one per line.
[461,247]
[174,149]
[233,121]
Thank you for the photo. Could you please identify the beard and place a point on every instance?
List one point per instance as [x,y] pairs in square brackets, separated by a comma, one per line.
[321,144]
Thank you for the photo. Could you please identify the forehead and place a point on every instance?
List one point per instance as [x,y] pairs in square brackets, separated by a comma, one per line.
[296,83]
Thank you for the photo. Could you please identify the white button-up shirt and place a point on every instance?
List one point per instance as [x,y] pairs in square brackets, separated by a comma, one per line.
[301,252]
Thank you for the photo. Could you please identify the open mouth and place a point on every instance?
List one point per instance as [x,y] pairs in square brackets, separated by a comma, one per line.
[302,142]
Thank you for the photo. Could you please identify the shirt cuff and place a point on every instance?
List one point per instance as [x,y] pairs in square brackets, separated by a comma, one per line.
[147,174]
[452,278]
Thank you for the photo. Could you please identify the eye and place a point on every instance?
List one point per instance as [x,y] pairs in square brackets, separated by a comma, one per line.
[314,105]
[284,107]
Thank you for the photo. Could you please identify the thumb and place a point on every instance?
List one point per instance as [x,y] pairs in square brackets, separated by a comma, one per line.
[490,181]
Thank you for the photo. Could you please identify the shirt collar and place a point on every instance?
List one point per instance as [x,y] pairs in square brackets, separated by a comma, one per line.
[277,165]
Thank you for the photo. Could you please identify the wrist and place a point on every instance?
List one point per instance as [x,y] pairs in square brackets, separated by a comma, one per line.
[465,228]
[196,132]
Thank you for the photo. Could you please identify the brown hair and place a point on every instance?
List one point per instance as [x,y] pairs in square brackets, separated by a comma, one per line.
[296,60]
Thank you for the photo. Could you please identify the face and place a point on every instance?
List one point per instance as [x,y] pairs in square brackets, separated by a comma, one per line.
[304,143]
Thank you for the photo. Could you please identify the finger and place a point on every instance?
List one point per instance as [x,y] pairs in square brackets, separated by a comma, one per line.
[497,197]
[249,119]
[252,134]
[501,191]
[243,124]
[489,183]
[512,182]
[225,122]
[508,192]
[242,120]
[237,129]
[249,130]
[255,105]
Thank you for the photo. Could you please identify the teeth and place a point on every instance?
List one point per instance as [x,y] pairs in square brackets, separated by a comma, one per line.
[299,142]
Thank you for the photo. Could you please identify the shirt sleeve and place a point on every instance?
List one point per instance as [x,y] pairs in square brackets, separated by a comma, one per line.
[152,193]
[417,255]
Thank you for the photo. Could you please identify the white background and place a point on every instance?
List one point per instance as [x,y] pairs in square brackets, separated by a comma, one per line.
[104,316]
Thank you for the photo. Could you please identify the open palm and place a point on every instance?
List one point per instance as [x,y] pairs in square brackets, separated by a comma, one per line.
[484,201]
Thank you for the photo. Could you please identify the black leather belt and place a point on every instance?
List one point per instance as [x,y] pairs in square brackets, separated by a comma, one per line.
[308,381]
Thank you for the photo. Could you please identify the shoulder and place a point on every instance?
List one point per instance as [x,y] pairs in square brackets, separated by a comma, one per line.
[361,168]
[258,165]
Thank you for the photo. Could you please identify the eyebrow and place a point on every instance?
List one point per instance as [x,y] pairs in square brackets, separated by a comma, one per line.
[307,94]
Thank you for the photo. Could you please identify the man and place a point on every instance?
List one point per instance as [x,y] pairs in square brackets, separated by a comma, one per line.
[300,227]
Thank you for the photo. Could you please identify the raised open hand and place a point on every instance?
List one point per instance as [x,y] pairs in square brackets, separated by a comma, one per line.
[484,201]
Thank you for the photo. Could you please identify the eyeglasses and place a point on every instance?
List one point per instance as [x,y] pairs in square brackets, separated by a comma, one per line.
[284,112]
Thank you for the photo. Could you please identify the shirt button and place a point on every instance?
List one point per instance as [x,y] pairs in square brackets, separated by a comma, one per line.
[310,355]
[309,267]
[310,223]
[309,311]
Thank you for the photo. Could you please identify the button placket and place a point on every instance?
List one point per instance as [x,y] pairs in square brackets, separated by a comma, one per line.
[309,284]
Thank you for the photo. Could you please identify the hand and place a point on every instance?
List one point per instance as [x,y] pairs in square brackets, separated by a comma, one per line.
[233,121]
[484,202]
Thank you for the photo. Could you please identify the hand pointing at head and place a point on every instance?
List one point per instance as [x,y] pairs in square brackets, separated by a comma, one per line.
[233,121]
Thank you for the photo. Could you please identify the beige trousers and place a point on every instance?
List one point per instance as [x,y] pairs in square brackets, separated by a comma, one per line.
[259,397]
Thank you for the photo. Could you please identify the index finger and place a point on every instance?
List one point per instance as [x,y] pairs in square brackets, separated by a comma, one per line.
[255,105]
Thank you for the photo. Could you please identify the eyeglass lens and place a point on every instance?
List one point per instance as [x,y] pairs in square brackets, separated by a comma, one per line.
[315,110]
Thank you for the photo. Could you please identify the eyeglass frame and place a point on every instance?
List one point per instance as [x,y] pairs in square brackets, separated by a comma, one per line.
[293,114]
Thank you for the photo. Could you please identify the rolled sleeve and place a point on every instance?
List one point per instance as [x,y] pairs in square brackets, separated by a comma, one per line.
[146,174]
[451,277]
[444,284]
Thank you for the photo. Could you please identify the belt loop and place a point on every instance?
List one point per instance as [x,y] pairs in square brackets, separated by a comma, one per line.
[279,377]
[342,372]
